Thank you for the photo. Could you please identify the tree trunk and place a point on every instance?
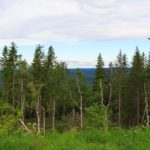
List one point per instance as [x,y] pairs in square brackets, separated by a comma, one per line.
[22,96]
[110,87]
[81,104]
[119,106]
[53,114]
[73,110]
[73,116]
[110,94]
[81,111]
[13,90]
[38,115]
[64,105]
[138,107]
[101,91]
[146,106]
[44,128]
[143,116]
[25,127]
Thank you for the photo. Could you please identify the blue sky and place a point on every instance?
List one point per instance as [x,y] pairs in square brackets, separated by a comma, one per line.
[77,29]
[84,54]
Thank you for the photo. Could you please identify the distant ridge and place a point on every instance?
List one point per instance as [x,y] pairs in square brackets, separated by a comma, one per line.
[89,73]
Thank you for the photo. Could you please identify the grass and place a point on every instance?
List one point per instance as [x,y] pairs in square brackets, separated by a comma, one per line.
[116,139]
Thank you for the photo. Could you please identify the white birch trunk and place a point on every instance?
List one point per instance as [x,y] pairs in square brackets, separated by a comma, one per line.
[81,104]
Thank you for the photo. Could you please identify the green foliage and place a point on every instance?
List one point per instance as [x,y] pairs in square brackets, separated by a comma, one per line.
[37,65]
[119,79]
[96,117]
[116,139]
[9,118]
[46,89]
[99,73]
[136,97]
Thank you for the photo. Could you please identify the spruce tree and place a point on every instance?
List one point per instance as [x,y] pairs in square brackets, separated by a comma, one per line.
[37,84]
[50,58]
[50,83]
[119,83]
[99,73]
[82,93]
[99,80]
[12,65]
[136,77]
[22,84]
[5,72]
[146,79]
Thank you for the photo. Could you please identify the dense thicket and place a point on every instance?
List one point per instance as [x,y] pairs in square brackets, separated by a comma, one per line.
[49,97]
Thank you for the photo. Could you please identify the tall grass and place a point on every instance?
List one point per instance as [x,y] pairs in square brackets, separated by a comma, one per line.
[116,139]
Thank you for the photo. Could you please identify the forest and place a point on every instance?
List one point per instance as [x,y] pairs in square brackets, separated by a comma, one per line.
[43,106]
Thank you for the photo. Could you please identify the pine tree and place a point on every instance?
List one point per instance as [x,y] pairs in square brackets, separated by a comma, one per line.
[37,85]
[5,72]
[50,58]
[50,82]
[59,87]
[99,73]
[121,67]
[137,84]
[98,84]
[22,76]
[110,83]
[13,64]
[37,68]
[82,92]
[81,97]
[146,89]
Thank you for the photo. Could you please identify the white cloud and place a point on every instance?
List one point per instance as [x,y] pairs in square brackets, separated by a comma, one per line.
[31,21]
[80,64]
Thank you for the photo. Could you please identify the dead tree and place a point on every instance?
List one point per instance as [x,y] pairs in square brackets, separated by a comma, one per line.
[53,113]
[13,89]
[146,110]
[81,103]
[73,116]
[25,127]
[119,105]
[64,104]
[110,85]
[138,105]
[44,128]
[101,92]
[38,115]
[22,96]
[73,110]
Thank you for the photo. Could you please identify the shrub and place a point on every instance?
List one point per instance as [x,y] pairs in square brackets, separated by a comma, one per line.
[8,118]
[96,117]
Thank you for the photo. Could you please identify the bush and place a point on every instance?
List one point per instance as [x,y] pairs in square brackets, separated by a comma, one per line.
[8,118]
[96,117]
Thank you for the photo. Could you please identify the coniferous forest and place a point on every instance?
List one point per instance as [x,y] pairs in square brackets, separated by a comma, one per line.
[44,99]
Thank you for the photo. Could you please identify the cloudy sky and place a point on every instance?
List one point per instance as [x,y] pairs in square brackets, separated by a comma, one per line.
[77,29]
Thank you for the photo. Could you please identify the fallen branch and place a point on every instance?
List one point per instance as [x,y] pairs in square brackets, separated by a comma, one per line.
[25,127]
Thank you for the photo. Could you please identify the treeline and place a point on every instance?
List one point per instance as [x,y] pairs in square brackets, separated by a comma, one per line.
[46,94]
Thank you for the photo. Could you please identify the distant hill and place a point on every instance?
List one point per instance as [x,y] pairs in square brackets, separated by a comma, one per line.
[89,73]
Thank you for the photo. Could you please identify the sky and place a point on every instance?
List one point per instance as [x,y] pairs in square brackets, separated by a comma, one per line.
[77,29]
